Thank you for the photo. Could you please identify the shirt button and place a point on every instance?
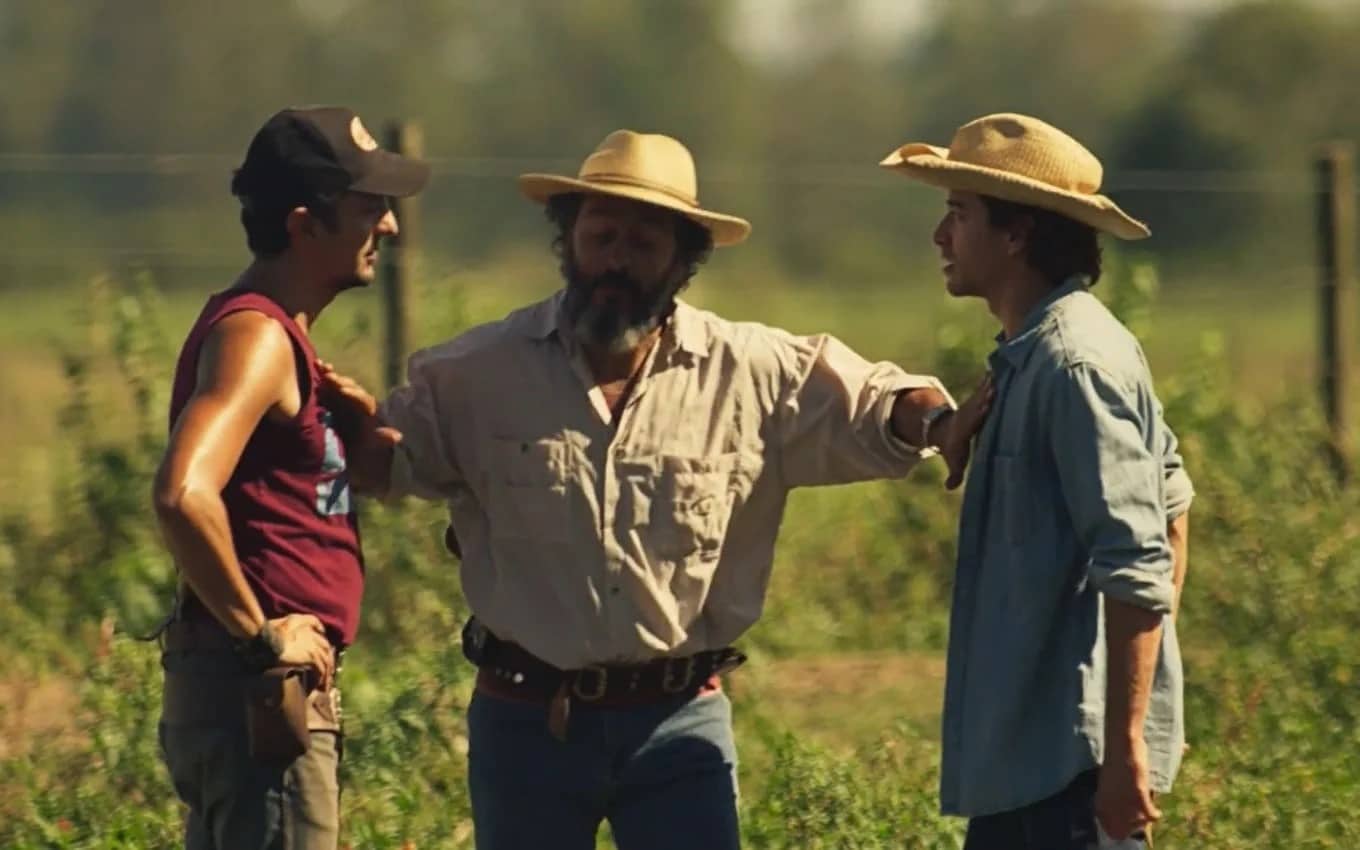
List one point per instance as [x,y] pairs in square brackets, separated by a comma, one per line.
[614,591]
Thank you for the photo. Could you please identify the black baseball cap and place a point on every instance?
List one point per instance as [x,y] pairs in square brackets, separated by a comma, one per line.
[304,152]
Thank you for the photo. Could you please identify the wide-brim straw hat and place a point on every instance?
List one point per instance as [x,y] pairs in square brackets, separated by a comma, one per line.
[647,167]
[1024,160]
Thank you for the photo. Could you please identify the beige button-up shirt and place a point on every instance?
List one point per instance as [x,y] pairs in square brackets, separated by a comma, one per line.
[587,540]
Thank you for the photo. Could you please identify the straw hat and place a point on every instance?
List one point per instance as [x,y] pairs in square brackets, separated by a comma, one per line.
[1020,159]
[645,167]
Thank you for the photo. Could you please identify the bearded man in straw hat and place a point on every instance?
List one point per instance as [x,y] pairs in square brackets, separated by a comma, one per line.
[616,464]
[1063,709]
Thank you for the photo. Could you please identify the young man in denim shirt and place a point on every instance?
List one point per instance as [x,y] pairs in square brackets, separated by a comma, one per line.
[1063,712]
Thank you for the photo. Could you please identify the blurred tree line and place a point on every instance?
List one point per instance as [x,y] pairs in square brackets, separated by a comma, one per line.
[1235,93]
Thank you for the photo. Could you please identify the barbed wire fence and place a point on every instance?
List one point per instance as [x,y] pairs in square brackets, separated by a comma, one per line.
[1321,269]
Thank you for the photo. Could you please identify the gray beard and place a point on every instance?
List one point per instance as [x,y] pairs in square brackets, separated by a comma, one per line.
[615,330]
[607,329]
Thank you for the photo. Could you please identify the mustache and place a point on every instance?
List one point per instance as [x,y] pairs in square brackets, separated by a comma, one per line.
[612,280]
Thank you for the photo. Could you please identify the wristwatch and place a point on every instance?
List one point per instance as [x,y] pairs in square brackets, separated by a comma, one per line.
[935,414]
[261,651]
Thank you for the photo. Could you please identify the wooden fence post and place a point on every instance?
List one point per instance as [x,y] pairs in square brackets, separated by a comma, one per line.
[402,260]
[1336,243]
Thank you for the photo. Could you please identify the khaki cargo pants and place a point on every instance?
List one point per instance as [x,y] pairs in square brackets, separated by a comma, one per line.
[235,803]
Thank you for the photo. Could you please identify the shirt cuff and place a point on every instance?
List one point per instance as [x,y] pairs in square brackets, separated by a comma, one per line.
[1137,586]
[401,479]
[1179,494]
[899,448]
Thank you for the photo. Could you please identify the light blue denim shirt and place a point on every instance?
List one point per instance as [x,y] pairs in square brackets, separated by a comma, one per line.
[1074,478]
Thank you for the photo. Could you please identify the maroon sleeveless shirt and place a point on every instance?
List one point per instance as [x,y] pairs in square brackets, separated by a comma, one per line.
[288,501]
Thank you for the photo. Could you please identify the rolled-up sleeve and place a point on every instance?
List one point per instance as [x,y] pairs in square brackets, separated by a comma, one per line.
[1180,491]
[834,418]
[1112,483]
[423,463]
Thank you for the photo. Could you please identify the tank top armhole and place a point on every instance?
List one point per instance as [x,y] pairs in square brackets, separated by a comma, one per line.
[302,365]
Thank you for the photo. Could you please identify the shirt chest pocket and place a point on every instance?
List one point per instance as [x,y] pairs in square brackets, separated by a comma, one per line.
[1011,498]
[527,492]
[691,506]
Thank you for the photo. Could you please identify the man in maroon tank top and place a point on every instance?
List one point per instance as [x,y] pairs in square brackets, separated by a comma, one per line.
[253,495]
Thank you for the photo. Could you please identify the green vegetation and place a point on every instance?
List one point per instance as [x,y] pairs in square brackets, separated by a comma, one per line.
[1204,119]
[837,711]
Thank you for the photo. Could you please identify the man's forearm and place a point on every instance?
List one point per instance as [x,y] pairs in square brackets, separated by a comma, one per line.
[371,466]
[197,532]
[910,409]
[1178,535]
[1132,642]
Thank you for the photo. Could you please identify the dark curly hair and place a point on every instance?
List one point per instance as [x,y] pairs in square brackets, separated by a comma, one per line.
[693,241]
[264,214]
[1058,247]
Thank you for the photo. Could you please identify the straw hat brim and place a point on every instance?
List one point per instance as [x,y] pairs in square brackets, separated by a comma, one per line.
[932,165]
[726,229]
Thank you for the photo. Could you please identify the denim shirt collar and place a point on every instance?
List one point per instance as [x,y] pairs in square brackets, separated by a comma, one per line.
[1015,351]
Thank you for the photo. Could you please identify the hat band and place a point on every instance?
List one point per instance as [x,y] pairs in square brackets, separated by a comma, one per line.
[1063,182]
[642,183]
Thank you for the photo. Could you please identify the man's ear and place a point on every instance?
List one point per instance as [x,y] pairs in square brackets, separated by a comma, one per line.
[1018,234]
[299,223]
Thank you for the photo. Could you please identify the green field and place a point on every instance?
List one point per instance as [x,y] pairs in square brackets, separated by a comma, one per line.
[1265,335]
[123,122]
[836,712]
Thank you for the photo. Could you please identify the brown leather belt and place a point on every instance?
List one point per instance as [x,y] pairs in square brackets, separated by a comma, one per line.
[509,671]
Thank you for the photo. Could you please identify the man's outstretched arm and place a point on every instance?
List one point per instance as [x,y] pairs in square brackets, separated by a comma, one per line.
[841,418]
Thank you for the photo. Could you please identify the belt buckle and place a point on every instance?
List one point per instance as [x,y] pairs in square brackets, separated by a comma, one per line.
[672,684]
[595,693]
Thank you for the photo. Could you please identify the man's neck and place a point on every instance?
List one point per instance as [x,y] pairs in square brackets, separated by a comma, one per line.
[1016,296]
[610,367]
[288,286]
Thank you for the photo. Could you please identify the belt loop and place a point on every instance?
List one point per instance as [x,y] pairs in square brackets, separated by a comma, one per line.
[673,684]
[601,687]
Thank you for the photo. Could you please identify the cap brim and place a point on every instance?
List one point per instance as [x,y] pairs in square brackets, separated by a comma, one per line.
[393,175]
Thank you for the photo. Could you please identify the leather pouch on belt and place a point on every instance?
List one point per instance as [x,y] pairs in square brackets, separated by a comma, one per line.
[276,714]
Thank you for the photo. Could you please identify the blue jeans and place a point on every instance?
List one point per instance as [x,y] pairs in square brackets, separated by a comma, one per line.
[1065,821]
[663,775]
